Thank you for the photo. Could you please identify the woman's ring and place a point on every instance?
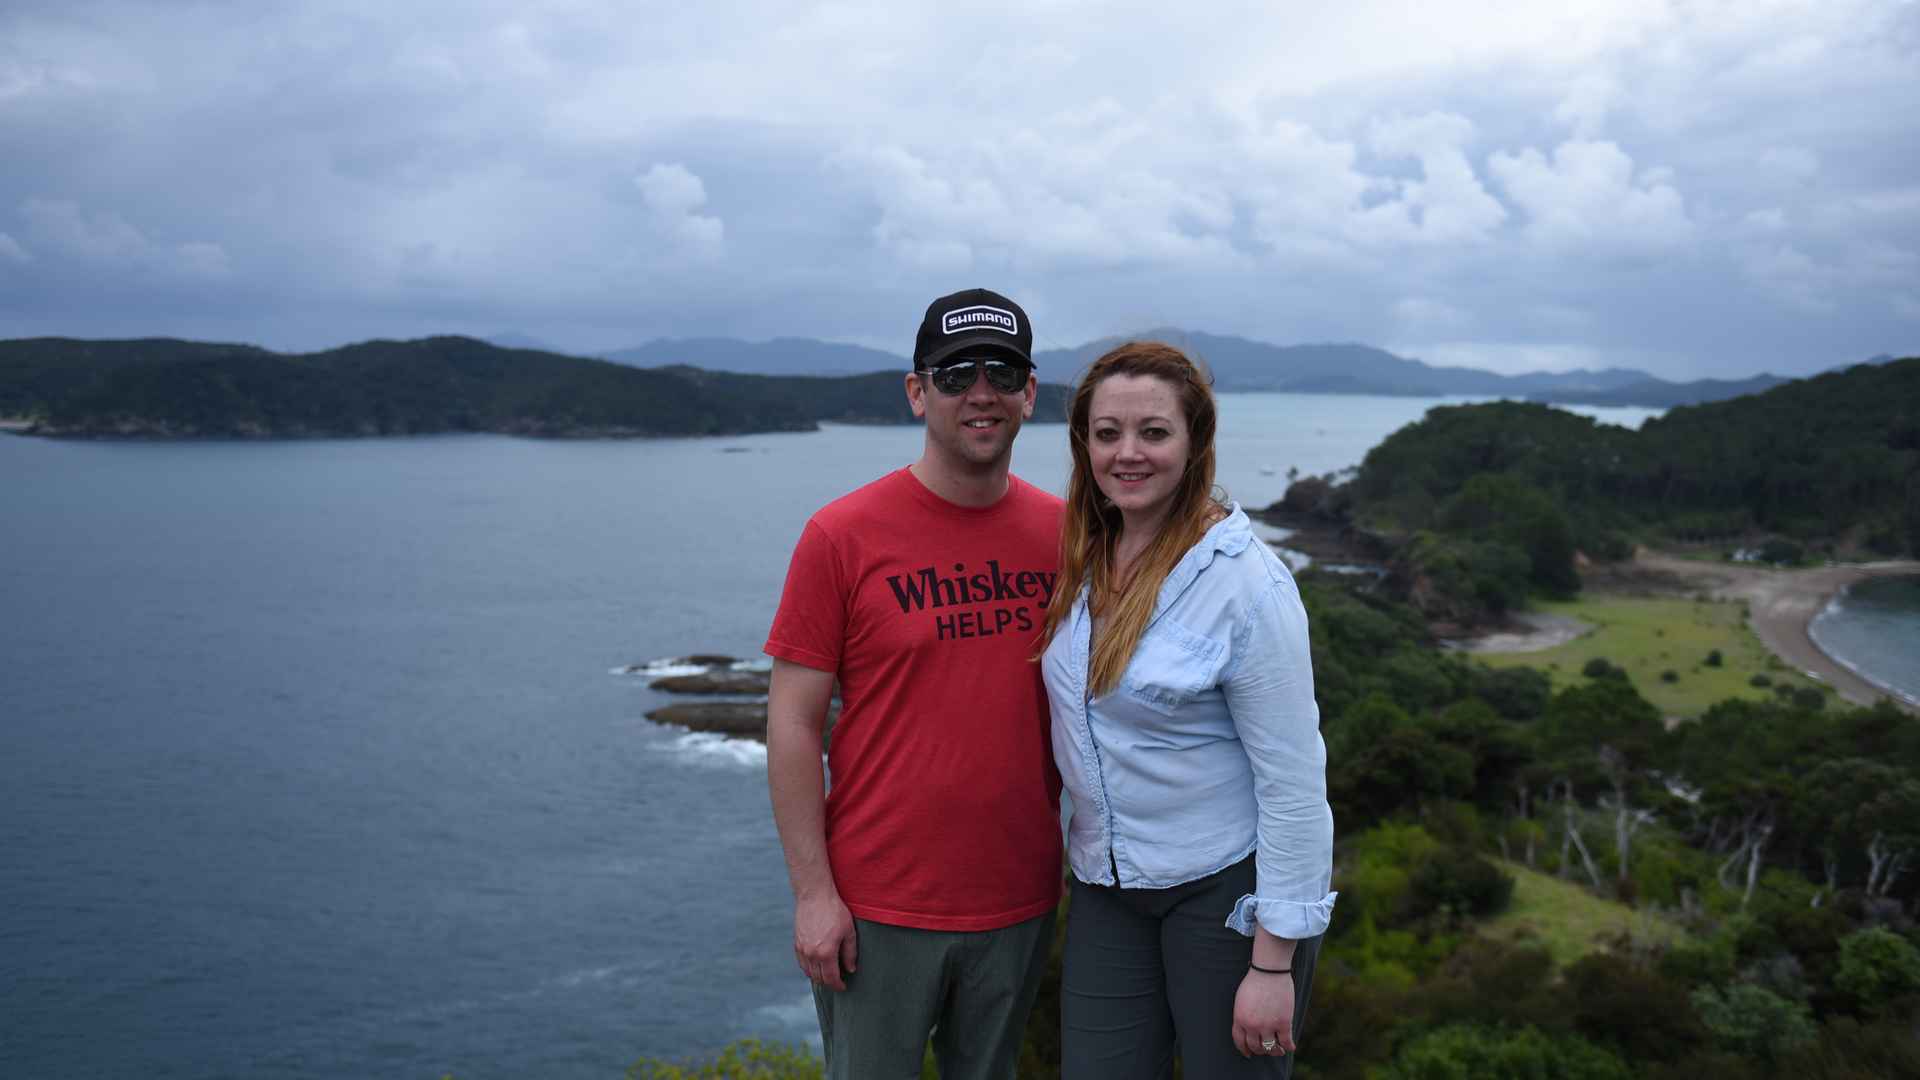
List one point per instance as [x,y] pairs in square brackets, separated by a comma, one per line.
[1269,1044]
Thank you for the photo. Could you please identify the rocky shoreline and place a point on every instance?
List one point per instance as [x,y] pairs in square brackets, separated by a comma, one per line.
[743,684]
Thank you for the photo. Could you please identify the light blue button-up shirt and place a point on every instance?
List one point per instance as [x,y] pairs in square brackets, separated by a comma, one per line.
[1209,748]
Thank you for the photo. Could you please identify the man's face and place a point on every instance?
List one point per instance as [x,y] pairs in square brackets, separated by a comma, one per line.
[976,426]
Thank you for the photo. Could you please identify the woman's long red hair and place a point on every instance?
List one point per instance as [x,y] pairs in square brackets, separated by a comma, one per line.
[1093,523]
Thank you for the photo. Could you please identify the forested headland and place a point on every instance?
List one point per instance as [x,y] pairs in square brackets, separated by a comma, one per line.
[161,388]
[1478,506]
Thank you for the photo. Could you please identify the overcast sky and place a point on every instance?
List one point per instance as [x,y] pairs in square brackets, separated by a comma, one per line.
[1697,189]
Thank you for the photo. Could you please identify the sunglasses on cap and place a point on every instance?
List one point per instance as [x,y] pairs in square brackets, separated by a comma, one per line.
[1006,376]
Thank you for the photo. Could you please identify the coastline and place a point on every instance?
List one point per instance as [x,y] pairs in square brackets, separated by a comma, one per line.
[1781,607]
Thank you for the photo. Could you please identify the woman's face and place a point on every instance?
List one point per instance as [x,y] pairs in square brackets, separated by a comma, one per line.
[1138,441]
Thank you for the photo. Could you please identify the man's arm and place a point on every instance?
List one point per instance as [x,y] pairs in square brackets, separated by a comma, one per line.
[823,937]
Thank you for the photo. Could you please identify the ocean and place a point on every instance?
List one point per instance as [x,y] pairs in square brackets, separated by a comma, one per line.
[1872,628]
[314,761]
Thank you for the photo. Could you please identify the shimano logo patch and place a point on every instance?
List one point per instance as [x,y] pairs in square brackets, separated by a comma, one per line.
[980,317]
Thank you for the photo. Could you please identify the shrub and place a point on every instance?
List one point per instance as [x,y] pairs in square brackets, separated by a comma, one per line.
[1782,552]
[1669,675]
[1703,960]
[1762,681]
[1461,881]
[1877,967]
[1850,1050]
[1477,1053]
[1749,1020]
[1714,658]
[1640,1011]
[748,1059]
[1809,699]
[1598,668]
[1519,693]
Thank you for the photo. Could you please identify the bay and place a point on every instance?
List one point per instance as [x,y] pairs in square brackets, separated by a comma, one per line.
[1874,628]
[312,763]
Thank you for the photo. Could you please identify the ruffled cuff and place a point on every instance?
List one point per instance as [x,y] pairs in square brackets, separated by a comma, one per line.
[1287,919]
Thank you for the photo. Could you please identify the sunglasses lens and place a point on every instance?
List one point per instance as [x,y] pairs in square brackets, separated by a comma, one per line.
[955,378]
[1007,378]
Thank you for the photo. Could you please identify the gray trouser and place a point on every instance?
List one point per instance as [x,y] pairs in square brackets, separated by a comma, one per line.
[972,990]
[1149,968]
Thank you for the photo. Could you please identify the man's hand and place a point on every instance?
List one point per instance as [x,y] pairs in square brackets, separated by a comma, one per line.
[824,940]
[1262,1010]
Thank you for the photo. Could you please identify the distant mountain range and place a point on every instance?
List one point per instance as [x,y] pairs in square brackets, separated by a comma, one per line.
[1238,364]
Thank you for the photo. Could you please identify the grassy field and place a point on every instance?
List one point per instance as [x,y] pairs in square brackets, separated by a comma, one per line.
[1649,636]
[1568,919]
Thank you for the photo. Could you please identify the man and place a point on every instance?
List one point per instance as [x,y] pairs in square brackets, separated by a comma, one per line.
[925,882]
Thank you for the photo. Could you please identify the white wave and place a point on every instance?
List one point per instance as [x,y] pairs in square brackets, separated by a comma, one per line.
[707,748]
[794,1019]
[1296,560]
[765,663]
[583,977]
[660,669]
[1271,533]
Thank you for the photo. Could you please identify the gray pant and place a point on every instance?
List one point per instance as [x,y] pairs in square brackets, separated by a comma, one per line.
[1149,968]
[972,990]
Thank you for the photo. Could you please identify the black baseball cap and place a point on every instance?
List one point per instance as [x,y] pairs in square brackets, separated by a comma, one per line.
[972,319]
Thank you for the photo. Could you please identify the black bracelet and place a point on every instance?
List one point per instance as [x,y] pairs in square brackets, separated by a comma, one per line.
[1269,971]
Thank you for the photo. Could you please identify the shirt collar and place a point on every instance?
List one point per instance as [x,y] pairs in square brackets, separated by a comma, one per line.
[1228,536]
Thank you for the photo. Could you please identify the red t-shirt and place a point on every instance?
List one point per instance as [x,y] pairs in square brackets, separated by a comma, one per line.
[944,807]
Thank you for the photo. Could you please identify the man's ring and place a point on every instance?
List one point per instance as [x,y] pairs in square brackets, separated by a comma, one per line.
[1269,1044]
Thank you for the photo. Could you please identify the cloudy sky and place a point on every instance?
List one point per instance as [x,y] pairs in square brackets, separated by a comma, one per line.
[1697,189]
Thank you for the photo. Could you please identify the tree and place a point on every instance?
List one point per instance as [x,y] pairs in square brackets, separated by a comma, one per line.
[1604,728]
[1462,1052]
[1877,967]
[1750,1020]
[1863,811]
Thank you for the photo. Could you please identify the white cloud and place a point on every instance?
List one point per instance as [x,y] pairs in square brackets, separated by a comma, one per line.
[1420,314]
[1588,195]
[1446,206]
[105,240]
[1509,358]
[11,250]
[1457,171]
[675,196]
[1589,97]
[1792,276]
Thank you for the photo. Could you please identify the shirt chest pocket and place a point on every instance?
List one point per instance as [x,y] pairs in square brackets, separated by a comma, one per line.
[1171,666]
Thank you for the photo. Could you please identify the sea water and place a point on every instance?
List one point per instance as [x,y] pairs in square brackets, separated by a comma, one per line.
[1873,627]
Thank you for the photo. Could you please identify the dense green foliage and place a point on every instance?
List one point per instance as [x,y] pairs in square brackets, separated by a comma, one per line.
[1487,504]
[445,384]
[1806,459]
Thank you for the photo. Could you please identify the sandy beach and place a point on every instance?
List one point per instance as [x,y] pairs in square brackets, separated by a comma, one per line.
[1780,606]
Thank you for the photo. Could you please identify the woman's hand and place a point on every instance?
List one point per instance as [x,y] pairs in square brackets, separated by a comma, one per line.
[1262,1011]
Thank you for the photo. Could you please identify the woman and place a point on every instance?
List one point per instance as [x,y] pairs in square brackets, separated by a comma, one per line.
[1185,729]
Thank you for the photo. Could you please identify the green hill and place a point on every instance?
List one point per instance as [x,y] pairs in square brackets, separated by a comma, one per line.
[1485,504]
[160,388]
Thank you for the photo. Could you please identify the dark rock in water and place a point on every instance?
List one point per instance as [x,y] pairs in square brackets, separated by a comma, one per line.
[705,660]
[738,719]
[715,680]
[734,719]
